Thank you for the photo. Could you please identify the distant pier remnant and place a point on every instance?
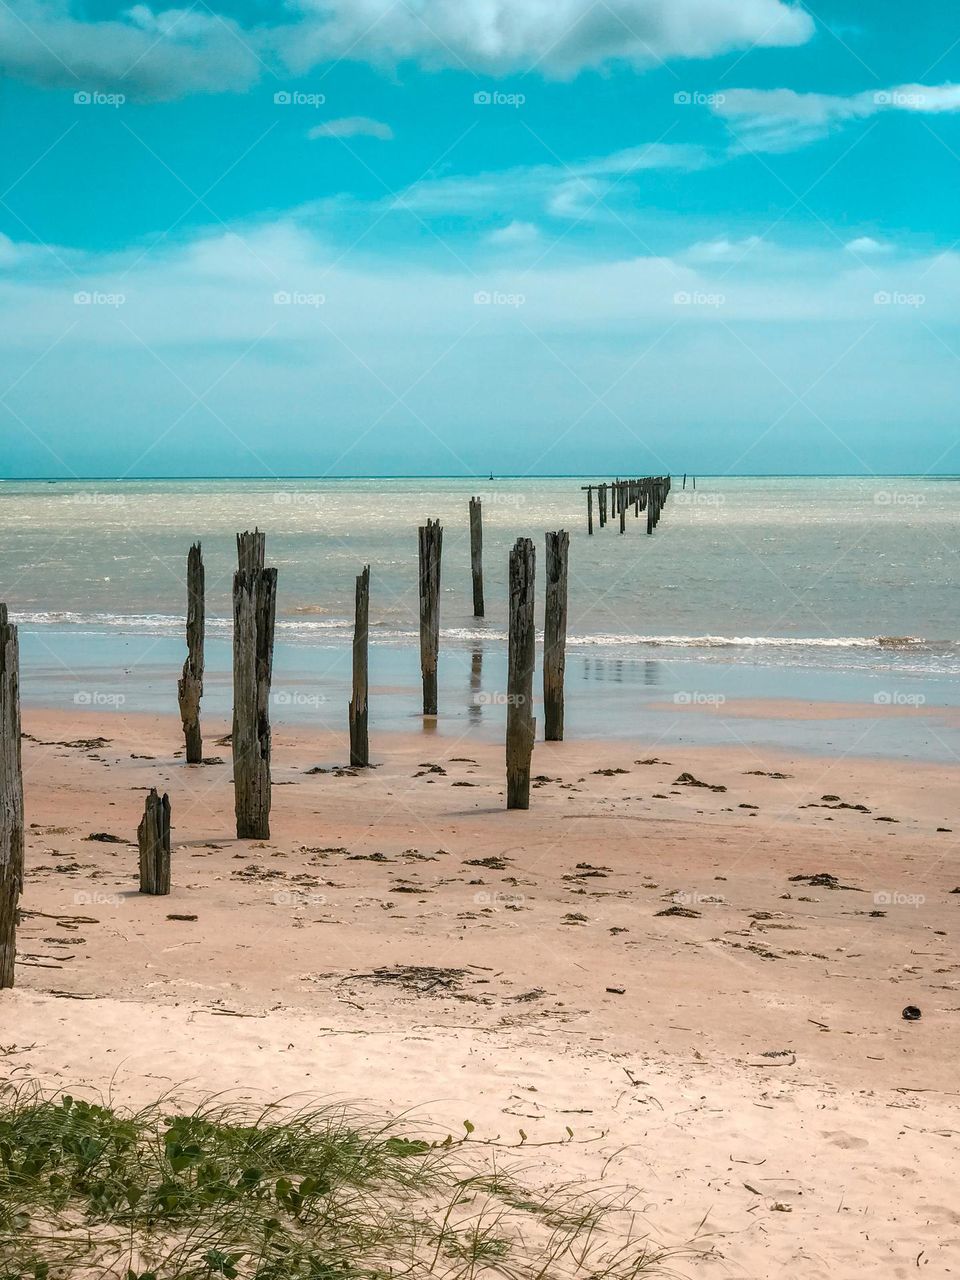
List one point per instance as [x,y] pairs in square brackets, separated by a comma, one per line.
[190,684]
[476,555]
[521,650]
[254,618]
[555,634]
[646,493]
[359,742]
[153,836]
[11,797]
[431,545]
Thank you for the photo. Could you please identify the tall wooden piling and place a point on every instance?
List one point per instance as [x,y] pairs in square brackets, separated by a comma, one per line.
[190,684]
[476,555]
[11,797]
[555,634]
[254,619]
[590,509]
[153,836]
[521,650]
[359,743]
[431,546]
[650,506]
[622,506]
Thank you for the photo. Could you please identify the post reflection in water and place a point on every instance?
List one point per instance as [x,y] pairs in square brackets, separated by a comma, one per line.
[623,670]
[475,703]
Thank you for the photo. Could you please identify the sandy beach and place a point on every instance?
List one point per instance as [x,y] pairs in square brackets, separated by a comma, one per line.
[638,957]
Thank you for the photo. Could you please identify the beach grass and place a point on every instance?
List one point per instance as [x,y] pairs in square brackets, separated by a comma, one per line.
[287,1193]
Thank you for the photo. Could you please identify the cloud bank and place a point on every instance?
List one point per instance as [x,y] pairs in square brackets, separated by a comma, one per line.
[170,53]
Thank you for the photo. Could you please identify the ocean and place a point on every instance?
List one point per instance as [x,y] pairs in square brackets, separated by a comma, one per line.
[841,590]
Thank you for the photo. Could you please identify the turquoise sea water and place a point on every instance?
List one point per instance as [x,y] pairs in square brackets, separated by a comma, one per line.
[840,589]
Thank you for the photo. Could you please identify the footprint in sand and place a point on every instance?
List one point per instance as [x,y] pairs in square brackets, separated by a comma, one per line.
[847,1141]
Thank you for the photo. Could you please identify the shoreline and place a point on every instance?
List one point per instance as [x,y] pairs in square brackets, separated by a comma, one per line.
[675,697]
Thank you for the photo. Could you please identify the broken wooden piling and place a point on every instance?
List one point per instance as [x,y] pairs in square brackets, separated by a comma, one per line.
[476,555]
[190,684]
[590,509]
[554,634]
[153,837]
[431,545]
[521,648]
[359,743]
[11,797]
[254,618]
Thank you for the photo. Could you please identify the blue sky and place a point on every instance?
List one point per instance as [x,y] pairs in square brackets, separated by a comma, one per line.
[356,236]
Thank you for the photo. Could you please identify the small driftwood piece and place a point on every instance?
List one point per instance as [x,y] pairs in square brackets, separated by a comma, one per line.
[153,836]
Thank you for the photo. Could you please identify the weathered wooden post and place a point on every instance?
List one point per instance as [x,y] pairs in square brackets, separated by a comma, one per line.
[590,509]
[521,650]
[359,743]
[650,506]
[11,797]
[254,618]
[622,506]
[476,555]
[190,684]
[555,635]
[431,545]
[153,836]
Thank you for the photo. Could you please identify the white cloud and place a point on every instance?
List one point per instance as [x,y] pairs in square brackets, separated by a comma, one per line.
[156,56]
[723,250]
[559,37]
[867,245]
[353,127]
[514,233]
[781,119]
[571,191]
[166,54]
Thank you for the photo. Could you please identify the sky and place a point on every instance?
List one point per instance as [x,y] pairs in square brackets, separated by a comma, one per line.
[376,237]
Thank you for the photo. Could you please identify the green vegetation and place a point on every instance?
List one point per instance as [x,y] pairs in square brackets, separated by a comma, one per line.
[321,1194]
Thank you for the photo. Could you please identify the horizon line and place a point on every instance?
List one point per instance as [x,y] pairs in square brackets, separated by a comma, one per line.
[557,475]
